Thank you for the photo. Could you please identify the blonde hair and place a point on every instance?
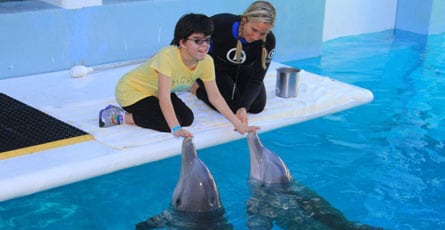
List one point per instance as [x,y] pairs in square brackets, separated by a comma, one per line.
[258,11]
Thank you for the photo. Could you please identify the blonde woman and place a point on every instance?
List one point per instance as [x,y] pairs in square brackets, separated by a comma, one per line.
[147,93]
[242,49]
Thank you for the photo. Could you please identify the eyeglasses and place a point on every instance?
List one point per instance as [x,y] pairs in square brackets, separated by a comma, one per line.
[201,41]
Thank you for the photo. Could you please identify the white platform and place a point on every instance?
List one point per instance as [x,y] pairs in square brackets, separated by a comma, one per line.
[77,101]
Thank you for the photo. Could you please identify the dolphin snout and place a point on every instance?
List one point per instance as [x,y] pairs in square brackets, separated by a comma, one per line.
[187,143]
[188,139]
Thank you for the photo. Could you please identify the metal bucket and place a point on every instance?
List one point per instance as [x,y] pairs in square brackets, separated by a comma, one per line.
[287,82]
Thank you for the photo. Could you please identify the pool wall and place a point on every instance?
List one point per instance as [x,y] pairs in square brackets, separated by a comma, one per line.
[37,37]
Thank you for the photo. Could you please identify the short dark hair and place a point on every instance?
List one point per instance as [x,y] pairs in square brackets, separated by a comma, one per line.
[192,23]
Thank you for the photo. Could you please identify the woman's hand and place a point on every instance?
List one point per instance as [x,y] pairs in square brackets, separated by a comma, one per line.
[220,104]
[243,128]
[241,114]
[182,133]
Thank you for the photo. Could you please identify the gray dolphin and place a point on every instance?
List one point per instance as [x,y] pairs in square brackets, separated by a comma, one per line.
[277,198]
[195,202]
[196,189]
[265,165]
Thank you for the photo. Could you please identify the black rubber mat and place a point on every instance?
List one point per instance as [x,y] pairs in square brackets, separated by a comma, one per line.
[24,129]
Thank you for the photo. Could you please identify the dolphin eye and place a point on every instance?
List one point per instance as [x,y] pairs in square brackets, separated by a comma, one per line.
[178,202]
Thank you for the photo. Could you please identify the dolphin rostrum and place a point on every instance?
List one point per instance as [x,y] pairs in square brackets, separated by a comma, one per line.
[278,199]
[195,202]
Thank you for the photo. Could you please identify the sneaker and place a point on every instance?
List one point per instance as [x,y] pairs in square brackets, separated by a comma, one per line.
[110,116]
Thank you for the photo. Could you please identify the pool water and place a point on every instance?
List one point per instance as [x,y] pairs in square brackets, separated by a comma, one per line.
[381,163]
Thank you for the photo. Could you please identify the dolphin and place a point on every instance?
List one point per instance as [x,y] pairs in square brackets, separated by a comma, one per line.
[277,198]
[195,203]
[265,165]
[196,188]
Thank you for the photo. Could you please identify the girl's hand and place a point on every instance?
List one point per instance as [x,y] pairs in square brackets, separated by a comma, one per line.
[182,133]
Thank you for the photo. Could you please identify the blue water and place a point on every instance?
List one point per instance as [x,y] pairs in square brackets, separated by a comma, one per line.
[381,163]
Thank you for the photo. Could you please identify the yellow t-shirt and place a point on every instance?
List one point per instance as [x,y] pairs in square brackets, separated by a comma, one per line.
[142,81]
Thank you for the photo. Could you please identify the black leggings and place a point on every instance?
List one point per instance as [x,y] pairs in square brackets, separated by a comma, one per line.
[147,113]
[225,86]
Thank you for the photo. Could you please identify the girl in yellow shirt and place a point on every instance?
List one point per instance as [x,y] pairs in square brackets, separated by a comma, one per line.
[147,93]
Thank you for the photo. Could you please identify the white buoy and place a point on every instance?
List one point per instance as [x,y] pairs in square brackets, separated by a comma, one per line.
[80,71]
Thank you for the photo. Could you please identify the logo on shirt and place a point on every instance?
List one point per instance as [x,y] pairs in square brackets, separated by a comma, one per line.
[182,83]
[270,55]
[231,56]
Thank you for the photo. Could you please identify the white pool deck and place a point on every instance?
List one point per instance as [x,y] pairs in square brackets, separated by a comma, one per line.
[77,101]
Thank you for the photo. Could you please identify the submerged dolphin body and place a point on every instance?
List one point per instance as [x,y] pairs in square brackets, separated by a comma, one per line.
[277,198]
[195,202]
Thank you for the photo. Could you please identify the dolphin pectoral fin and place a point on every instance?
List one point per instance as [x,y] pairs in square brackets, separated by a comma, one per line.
[158,221]
[144,225]
[149,224]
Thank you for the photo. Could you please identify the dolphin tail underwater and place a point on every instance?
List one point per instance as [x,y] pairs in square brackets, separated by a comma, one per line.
[277,198]
[195,202]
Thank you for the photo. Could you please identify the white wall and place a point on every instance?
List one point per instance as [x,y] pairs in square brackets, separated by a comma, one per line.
[414,15]
[52,38]
[437,24]
[352,17]
[74,4]
[298,29]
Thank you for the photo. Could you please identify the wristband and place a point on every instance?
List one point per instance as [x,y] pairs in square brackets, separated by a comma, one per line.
[176,128]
